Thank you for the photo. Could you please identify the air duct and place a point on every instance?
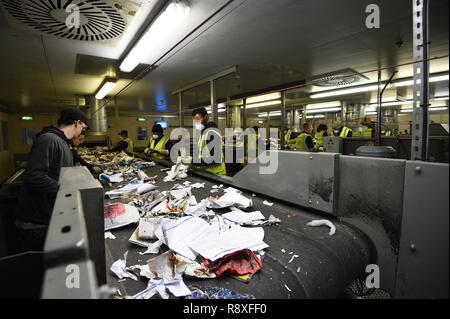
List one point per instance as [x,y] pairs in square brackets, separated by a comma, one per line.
[96,116]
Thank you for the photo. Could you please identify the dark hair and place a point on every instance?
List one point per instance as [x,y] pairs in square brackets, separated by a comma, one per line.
[65,121]
[124,133]
[322,127]
[306,125]
[201,110]
[256,128]
[157,128]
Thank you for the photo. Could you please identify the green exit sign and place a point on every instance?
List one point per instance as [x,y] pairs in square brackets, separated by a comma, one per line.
[142,119]
[27,118]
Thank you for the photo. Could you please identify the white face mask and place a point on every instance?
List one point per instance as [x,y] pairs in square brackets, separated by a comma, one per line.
[155,136]
[198,126]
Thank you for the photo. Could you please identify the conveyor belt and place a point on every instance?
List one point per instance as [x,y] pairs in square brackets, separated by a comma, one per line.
[325,266]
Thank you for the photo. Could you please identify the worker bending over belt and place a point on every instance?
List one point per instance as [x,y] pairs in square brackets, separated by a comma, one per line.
[342,131]
[159,145]
[125,144]
[77,160]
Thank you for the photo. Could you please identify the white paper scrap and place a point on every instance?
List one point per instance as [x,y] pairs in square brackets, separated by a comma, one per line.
[267,203]
[321,222]
[241,217]
[217,245]
[120,270]
[108,234]
[180,233]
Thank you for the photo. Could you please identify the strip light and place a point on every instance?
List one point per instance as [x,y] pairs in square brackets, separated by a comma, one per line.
[270,114]
[323,105]
[265,97]
[437,78]
[275,102]
[326,110]
[435,108]
[107,86]
[320,116]
[345,91]
[159,31]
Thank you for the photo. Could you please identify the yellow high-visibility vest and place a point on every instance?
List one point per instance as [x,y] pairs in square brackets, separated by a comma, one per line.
[318,136]
[130,144]
[219,169]
[368,132]
[159,147]
[344,131]
[300,142]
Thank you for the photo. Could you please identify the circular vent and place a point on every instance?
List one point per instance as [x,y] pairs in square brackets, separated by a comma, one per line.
[97,20]
[337,80]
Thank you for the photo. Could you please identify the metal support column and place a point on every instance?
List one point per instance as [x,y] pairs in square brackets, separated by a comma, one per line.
[283,120]
[420,115]
[215,114]
[244,115]
[180,108]
[268,126]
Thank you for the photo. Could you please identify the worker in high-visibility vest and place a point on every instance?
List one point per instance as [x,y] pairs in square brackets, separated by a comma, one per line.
[125,144]
[160,145]
[209,135]
[342,131]
[304,142]
[368,132]
[321,132]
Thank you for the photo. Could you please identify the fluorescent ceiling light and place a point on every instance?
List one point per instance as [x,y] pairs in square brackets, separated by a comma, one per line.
[323,105]
[345,91]
[265,97]
[270,114]
[371,113]
[392,103]
[107,86]
[332,109]
[441,98]
[276,102]
[435,108]
[432,79]
[158,32]
[320,116]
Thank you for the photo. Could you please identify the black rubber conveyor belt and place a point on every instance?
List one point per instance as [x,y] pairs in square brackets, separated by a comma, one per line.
[324,267]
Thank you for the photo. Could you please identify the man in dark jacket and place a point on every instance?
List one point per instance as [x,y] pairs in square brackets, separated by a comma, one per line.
[48,154]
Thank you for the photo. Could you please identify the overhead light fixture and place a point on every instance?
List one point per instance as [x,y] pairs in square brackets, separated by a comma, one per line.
[326,110]
[270,114]
[265,97]
[319,116]
[142,119]
[441,98]
[106,87]
[392,103]
[27,118]
[432,79]
[358,89]
[323,105]
[159,31]
[432,108]
[370,113]
[275,102]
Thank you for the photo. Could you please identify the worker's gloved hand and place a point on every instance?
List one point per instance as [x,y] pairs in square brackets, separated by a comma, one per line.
[187,160]
[104,178]
[164,152]
[97,170]
[151,151]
